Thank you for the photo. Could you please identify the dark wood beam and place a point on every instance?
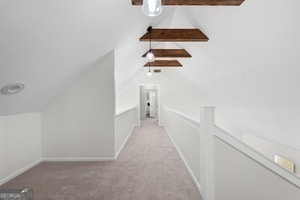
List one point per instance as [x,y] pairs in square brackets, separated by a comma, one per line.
[195,2]
[169,53]
[175,35]
[164,63]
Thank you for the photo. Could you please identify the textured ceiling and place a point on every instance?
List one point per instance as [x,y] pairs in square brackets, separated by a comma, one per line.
[249,68]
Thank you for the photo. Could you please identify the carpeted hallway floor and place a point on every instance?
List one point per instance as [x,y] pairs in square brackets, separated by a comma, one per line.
[148,168]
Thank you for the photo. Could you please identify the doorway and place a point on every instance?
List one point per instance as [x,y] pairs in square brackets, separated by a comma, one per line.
[149,102]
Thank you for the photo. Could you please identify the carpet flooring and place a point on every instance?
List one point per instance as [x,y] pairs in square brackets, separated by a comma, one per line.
[148,168]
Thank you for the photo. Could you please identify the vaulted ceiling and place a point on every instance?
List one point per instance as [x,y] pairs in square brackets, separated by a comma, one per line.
[249,65]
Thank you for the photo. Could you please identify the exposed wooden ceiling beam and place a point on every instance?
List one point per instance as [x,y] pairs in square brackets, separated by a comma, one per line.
[175,35]
[195,2]
[169,53]
[164,63]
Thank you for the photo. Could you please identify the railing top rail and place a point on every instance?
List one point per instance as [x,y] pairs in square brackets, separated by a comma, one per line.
[123,111]
[192,121]
[244,148]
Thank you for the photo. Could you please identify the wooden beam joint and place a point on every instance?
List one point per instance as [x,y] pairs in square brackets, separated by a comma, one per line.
[175,35]
[164,63]
[195,2]
[169,53]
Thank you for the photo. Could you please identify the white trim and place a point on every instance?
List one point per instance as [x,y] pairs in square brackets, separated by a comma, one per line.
[207,174]
[256,156]
[189,120]
[121,112]
[185,162]
[78,159]
[19,172]
[124,143]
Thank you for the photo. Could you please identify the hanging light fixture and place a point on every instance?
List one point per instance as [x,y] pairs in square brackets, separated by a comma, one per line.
[150,56]
[152,8]
[149,72]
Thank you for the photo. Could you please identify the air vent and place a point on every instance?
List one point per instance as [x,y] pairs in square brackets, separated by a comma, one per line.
[157,71]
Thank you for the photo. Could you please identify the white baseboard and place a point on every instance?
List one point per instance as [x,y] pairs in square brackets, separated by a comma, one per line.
[124,143]
[185,162]
[19,172]
[78,159]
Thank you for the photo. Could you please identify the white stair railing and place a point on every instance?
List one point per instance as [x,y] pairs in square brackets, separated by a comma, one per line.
[207,146]
[209,131]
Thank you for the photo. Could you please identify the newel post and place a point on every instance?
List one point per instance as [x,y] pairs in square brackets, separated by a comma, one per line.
[207,123]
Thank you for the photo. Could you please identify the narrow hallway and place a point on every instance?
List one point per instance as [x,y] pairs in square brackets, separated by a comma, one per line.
[148,168]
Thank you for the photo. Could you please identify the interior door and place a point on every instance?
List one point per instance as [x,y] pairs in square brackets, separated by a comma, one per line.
[153,104]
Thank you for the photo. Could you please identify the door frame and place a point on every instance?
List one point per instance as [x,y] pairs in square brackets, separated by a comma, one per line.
[158,103]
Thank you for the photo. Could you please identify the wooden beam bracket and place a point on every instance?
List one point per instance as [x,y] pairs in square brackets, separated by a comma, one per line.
[164,63]
[169,53]
[175,35]
[195,2]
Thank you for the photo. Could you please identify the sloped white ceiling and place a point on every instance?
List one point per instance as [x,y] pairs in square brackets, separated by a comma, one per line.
[47,44]
[249,68]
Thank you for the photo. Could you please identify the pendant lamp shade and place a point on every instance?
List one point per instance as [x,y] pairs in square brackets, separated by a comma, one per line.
[152,8]
[150,57]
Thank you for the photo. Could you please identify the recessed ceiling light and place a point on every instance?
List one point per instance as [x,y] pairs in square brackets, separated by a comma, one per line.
[12,88]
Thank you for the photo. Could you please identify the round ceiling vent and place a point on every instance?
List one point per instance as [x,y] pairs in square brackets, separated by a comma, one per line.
[12,88]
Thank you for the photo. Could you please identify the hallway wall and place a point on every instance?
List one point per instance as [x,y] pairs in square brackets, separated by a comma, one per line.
[125,122]
[20,144]
[179,94]
[270,149]
[176,92]
[80,122]
[142,102]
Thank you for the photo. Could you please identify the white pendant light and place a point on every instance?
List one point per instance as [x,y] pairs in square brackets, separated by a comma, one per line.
[149,72]
[150,57]
[152,8]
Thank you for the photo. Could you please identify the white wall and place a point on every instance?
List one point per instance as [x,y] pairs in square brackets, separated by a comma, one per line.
[270,149]
[176,92]
[142,102]
[185,134]
[244,69]
[79,123]
[124,124]
[20,144]
[239,177]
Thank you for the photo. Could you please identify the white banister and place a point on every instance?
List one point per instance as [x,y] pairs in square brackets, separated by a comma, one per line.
[207,121]
[189,120]
[242,147]
[121,112]
[209,150]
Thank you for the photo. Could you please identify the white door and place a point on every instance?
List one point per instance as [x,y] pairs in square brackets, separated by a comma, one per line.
[153,105]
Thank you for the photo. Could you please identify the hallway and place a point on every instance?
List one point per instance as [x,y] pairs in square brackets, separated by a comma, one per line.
[148,168]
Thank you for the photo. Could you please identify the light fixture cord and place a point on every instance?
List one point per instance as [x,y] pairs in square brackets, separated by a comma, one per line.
[150,39]
[150,30]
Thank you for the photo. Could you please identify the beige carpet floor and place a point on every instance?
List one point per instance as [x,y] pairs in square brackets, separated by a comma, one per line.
[148,168]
